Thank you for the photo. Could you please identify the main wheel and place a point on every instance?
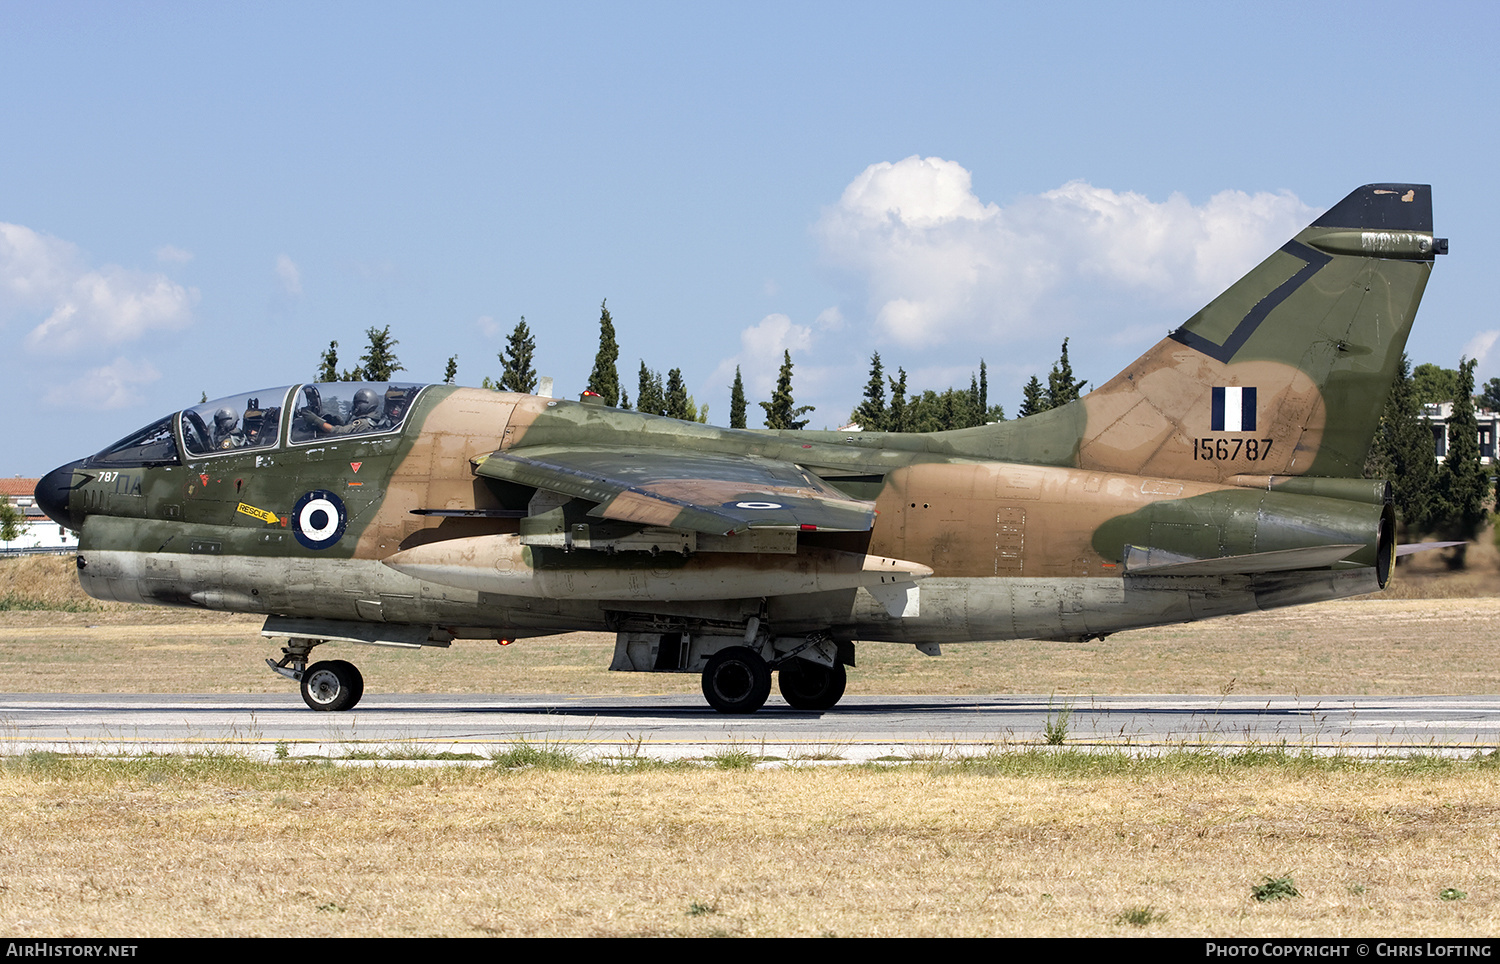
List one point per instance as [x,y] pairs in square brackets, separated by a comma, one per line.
[332,685]
[736,680]
[809,686]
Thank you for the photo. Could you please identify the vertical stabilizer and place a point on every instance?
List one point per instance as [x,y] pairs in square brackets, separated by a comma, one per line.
[1287,372]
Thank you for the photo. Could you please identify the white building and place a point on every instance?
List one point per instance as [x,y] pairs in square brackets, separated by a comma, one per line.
[1437,417]
[40,534]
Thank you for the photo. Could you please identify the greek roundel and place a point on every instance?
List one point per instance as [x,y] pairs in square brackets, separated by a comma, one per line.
[319,519]
[1234,409]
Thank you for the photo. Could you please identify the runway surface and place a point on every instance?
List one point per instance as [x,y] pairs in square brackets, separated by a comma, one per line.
[683,727]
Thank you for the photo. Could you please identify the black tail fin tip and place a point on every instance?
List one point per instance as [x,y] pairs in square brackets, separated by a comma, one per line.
[1384,207]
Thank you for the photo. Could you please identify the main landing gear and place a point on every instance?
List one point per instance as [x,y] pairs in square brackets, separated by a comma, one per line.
[738,680]
[332,684]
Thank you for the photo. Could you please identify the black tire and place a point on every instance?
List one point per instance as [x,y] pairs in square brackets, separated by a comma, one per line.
[808,686]
[736,680]
[332,685]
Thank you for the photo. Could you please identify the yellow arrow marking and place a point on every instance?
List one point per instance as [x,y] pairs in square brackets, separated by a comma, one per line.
[261,514]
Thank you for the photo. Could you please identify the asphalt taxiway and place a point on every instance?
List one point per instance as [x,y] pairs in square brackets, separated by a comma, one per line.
[676,727]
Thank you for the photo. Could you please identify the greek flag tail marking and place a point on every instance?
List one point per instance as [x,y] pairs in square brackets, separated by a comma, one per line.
[1234,409]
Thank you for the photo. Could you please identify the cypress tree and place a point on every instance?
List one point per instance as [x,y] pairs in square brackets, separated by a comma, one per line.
[328,364]
[1062,387]
[379,363]
[782,411]
[1033,398]
[1402,452]
[451,372]
[737,401]
[517,372]
[871,413]
[605,379]
[897,418]
[648,396]
[1462,481]
[676,403]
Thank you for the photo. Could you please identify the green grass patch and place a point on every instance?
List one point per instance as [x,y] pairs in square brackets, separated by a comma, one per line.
[16,602]
[1275,888]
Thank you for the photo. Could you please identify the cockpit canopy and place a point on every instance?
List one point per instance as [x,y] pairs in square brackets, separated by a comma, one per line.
[265,419]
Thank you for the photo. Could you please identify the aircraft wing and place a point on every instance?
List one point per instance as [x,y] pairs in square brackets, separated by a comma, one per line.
[703,492]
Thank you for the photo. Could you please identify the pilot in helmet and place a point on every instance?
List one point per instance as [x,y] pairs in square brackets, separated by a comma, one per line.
[225,436]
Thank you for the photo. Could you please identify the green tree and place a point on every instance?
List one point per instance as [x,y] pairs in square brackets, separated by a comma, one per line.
[1033,398]
[737,401]
[1062,387]
[379,363]
[1463,485]
[605,379]
[11,521]
[328,364]
[450,374]
[649,397]
[1489,399]
[518,373]
[896,415]
[782,411]
[676,403]
[1434,384]
[871,413]
[1402,453]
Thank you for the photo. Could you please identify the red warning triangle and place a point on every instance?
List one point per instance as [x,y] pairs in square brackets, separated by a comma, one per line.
[355,466]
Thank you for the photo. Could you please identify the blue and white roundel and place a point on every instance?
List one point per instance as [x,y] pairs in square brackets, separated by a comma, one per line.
[319,519]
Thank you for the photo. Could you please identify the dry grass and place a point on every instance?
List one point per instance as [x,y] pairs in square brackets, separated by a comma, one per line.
[1030,846]
[1415,639]
[1025,844]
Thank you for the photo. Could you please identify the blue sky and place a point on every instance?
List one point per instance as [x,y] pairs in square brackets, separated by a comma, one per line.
[198,197]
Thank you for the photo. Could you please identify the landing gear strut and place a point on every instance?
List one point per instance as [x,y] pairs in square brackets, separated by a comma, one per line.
[333,684]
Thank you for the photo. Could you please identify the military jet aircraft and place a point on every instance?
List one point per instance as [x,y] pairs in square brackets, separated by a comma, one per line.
[1219,473]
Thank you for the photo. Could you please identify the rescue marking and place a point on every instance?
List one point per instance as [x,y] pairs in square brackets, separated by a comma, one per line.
[270,518]
[319,519]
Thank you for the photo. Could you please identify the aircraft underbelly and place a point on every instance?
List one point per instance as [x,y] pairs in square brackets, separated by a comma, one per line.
[963,610]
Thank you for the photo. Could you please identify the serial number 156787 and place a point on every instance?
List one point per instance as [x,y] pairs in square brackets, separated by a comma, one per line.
[1229,449]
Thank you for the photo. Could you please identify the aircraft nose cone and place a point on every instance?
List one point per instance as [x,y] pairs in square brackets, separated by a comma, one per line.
[52,495]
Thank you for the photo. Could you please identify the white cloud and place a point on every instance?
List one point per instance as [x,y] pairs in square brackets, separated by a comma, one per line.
[171,254]
[488,326]
[1478,347]
[934,262]
[82,305]
[762,347]
[289,275]
[115,385]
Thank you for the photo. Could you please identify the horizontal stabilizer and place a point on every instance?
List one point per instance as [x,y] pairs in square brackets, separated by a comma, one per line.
[1415,547]
[703,492]
[1157,562]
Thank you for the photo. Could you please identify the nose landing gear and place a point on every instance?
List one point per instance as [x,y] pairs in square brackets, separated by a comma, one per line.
[332,684]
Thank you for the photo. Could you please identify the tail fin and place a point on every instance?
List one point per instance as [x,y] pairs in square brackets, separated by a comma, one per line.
[1287,372]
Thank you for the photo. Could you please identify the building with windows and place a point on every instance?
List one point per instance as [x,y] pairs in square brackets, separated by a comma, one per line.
[39,534]
[1437,417]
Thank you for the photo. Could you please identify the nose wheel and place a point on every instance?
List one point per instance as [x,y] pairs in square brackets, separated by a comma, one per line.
[332,684]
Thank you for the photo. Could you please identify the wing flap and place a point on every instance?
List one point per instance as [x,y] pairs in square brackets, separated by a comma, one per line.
[703,492]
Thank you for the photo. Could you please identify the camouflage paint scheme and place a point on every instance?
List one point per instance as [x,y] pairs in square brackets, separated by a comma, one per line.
[1217,474]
